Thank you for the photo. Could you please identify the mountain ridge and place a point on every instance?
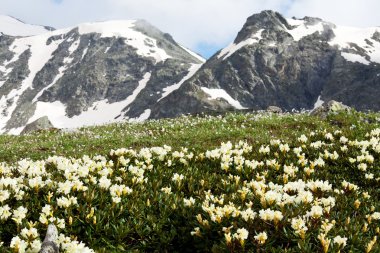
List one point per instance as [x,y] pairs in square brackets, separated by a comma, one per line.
[109,71]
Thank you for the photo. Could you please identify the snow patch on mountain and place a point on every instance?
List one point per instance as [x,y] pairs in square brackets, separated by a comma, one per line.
[40,55]
[355,58]
[197,56]
[74,46]
[302,29]
[167,90]
[318,103]
[144,116]
[232,48]
[14,27]
[145,45]
[101,112]
[220,93]
[351,38]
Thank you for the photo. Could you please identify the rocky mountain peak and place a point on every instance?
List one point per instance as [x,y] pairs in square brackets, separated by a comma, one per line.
[265,20]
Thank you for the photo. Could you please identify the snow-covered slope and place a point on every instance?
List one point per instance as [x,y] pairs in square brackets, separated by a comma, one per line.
[93,73]
[14,27]
[360,45]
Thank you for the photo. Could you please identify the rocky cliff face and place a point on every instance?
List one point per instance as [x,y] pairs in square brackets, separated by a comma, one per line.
[289,63]
[90,74]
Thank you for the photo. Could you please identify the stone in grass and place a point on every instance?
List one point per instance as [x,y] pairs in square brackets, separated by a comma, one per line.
[39,124]
[329,107]
[274,109]
[50,245]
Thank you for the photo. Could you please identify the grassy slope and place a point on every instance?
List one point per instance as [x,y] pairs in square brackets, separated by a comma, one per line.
[197,133]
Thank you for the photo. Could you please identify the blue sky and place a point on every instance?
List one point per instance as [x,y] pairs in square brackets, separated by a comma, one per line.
[204,26]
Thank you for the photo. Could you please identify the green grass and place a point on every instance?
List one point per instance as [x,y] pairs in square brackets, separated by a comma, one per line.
[199,133]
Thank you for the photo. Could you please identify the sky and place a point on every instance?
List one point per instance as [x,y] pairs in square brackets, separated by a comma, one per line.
[204,26]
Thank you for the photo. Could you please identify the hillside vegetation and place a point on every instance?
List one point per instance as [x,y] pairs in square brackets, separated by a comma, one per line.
[231,183]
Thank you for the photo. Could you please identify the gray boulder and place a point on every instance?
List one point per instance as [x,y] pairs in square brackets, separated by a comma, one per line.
[274,109]
[329,107]
[39,124]
[50,245]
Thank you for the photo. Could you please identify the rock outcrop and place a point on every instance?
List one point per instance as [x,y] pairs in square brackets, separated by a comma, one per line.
[42,123]
[329,107]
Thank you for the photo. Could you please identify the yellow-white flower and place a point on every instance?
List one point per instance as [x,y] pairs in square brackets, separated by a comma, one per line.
[261,237]
[341,241]
[19,214]
[241,235]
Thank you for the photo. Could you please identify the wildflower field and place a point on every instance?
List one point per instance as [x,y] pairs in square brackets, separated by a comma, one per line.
[232,183]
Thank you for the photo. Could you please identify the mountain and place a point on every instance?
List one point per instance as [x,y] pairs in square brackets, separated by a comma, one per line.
[93,73]
[289,63]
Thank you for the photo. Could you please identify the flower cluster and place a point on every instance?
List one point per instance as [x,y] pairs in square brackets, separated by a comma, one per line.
[297,194]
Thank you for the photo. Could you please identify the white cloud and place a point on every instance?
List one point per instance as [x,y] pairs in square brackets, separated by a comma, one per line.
[213,22]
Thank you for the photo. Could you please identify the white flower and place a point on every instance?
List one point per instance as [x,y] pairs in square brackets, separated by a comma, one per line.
[104,182]
[116,200]
[341,241]
[362,166]
[189,202]
[316,212]
[329,136]
[264,150]
[248,214]
[349,187]
[241,235]
[29,234]
[320,185]
[270,215]
[284,148]
[275,142]
[298,224]
[302,138]
[19,214]
[65,187]
[166,190]
[35,246]
[177,177]
[18,244]
[375,216]
[261,237]
[4,195]
[60,223]
[343,140]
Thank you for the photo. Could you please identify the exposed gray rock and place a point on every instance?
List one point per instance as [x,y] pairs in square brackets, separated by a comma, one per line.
[50,243]
[274,109]
[329,107]
[39,124]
